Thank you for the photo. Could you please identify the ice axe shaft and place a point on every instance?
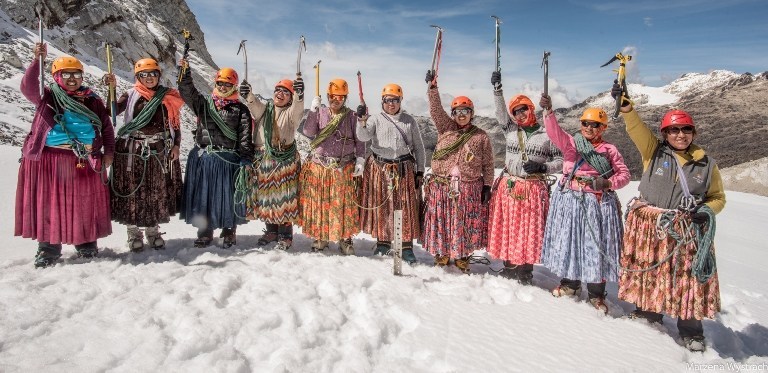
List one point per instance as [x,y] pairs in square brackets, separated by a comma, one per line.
[360,91]
[245,57]
[497,40]
[317,78]
[436,53]
[39,12]
[302,45]
[112,94]
[545,66]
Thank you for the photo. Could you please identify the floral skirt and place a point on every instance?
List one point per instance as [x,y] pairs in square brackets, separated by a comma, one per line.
[384,191]
[455,222]
[328,202]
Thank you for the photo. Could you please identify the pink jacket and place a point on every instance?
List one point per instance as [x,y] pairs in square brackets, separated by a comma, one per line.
[43,121]
[565,142]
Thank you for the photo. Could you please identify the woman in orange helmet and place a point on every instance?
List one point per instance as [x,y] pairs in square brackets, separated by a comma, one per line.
[146,176]
[329,209]
[393,173]
[276,166]
[61,196]
[583,237]
[223,148]
[518,208]
[459,188]
[680,184]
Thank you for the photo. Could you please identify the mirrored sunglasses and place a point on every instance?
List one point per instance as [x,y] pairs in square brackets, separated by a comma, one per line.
[224,84]
[282,91]
[591,124]
[462,111]
[68,75]
[337,97]
[675,130]
[391,100]
[148,74]
[521,110]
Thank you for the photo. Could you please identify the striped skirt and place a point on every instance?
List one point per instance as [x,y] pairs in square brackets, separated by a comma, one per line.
[60,203]
[209,190]
[517,218]
[583,238]
[327,200]
[384,191]
[148,194]
[276,197]
[670,288]
[454,225]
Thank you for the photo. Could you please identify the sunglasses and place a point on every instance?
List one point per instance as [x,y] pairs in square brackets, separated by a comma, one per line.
[462,111]
[591,124]
[337,97]
[148,74]
[391,100]
[675,130]
[282,91]
[521,110]
[224,84]
[67,75]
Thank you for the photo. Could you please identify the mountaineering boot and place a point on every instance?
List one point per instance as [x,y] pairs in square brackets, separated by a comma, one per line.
[284,244]
[525,274]
[567,288]
[509,271]
[442,260]
[135,239]
[47,254]
[285,236]
[695,343]
[346,247]
[155,239]
[409,257]
[204,238]
[462,264]
[269,236]
[382,248]
[651,317]
[87,250]
[229,238]
[319,245]
[596,295]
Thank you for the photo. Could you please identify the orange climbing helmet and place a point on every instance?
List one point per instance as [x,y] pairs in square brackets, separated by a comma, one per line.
[594,114]
[392,89]
[66,62]
[462,101]
[338,87]
[285,83]
[145,64]
[227,75]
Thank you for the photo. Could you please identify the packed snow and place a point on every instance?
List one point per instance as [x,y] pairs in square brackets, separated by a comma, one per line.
[247,309]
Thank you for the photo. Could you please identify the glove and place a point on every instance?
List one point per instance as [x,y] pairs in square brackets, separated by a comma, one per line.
[699,217]
[617,92]
[361,111]
[245,89]
[315,104]
[486,194]
[545,102]
[359,165]
[601,183]
[298,86]
[532,167]
[429,78]
[419,179]
[496,80]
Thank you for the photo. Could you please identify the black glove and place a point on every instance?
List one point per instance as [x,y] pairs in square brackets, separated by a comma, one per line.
[532,167]
[361,111]
[617,92]
[545,102]
[486,194]
[298,86]
[496,80]
[429,78]
[419,179]
[600,183]
[245,89]
[699,217]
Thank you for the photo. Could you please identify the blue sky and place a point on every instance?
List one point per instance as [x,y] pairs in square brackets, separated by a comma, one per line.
[391,41]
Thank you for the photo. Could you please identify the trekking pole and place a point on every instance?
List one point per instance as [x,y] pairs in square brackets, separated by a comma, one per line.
[317,79]
[39,13]
[302,45]
[621,78]
[187,37]
[497,40]
[112,89]
[436,53]
[245,58]
[362,100]
[545,66]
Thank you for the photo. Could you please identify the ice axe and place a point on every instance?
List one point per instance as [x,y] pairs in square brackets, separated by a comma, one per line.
[497,40]
[302,45]
[317,79]
[184,54]
[362,100]
[621,78]
[245,58]
[436,53]
[39,13]
[545,66]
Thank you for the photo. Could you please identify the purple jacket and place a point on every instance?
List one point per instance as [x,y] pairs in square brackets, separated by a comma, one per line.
[341,143]
[43,121]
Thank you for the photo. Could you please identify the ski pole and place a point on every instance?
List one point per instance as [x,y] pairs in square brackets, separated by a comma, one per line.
[187,36]
[39,12]
[436,53]
[245,58]
[545,66]
[302,45]
[621,78]
[497,39]
[112,100]
[317,79]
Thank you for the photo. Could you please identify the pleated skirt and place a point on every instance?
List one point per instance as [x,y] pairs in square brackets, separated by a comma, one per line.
[454,225]
[328,202]
[384,190]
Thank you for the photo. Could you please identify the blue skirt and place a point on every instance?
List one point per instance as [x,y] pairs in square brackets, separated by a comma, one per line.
[583,236]
[209,190]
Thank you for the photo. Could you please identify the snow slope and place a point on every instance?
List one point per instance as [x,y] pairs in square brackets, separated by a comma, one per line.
[255,309]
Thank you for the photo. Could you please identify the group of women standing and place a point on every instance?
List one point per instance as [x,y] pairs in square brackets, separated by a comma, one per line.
[245,166]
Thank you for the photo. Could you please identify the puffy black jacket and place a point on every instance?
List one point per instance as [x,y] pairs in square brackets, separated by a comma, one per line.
[235,115]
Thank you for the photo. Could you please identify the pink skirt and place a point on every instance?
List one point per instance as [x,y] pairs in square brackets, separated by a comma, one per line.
[60,203]
[518,216]
[455,224]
